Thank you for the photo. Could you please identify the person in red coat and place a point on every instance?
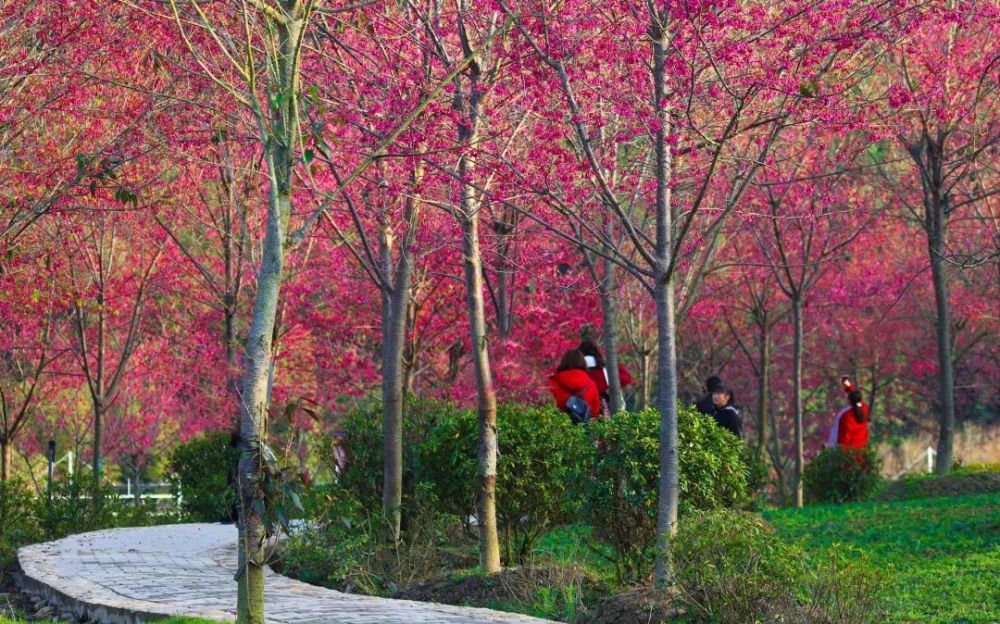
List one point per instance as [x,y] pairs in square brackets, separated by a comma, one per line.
[850,428]
[571,379]
[599,374]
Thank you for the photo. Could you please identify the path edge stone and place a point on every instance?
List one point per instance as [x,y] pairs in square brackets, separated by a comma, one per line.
[130,612]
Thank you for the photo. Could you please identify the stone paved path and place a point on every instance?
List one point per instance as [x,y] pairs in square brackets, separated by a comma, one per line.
[125,576]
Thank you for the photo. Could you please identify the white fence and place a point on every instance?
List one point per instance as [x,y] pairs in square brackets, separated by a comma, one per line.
[154,491]
[928,458]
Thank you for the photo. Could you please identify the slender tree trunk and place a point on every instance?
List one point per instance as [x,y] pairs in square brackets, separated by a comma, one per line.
[489,545]
[98,394]
[138,485]
[98,461]
[763,389]
[666,518]
[610,321]
[946,371]
[6,458]
[669,494]
[505,279]
[394,326]
[279,135]
[253,410]
[797,394]
[646,370]
[410,351]
[468,107]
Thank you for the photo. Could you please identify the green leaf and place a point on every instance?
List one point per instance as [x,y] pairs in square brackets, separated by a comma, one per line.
[257,507]
[809,89]
[308,156]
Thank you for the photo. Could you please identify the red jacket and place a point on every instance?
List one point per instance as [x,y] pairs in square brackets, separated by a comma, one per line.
[565,384]
[599,378]
[850,432]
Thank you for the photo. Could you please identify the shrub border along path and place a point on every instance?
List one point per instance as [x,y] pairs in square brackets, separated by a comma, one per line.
[126,576]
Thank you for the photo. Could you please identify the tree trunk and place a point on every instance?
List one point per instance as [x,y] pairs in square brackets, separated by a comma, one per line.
[279,138]
[468,107]
[138,486]
[666,523]
[253,412]
[797,394]
[98,457]
[763,389]
[646,371]
[393,331]
[610,322]
[505,282]
[489,545]
[946,371]
[6,458]
[666,516]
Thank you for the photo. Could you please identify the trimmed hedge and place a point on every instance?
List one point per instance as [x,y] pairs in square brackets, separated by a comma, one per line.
[543,461]
[623,488]
[839,474]
[202,470]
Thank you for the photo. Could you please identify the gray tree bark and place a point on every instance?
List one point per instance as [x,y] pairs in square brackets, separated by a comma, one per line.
[797,341]
[609,319]
[254,393]
[929,156]
[666,518]
[489,543]
[468,105]
[395,300]
[946,369]
[278,128]
[763,389]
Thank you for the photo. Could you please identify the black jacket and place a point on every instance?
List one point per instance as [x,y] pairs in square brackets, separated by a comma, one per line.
[728,418]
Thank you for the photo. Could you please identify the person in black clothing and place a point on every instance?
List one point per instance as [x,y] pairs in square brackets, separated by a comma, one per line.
[725,413]
[704,404]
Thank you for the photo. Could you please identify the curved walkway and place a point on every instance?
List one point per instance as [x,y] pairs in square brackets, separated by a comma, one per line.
[125,576]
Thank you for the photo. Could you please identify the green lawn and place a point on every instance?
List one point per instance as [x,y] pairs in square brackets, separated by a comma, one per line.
[941,556]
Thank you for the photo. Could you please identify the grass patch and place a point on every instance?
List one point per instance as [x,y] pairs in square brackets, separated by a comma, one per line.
[941,556]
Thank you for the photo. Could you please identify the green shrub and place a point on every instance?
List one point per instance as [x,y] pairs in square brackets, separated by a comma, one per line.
[73,508]
[17,520]
[201,472]
[623,483]
[543,460]
[730,567]
[839,474]
[76,506]
[361,435]
[758,476]
[344,548]
[844,587]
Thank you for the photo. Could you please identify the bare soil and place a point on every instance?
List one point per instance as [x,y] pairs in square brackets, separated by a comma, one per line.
[642,605]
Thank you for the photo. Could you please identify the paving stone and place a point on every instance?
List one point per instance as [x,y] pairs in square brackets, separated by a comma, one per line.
[127,576]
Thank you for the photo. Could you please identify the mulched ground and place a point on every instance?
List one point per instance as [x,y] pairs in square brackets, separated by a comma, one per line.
[642,605]
[511,584]
[523,585]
